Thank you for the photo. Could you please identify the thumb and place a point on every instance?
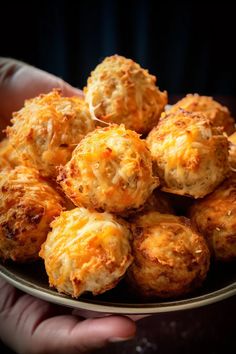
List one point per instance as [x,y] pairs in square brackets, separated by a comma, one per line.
[19,81]
[75,336]
[101,331]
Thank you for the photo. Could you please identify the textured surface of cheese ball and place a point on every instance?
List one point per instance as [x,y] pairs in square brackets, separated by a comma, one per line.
[27,207]
[111,170]
[4,163]
[47,129]
[217,114]
[86,251]
[215,218]
[170,259]
[232,151]
[191,156]
[120,91]
[8,155]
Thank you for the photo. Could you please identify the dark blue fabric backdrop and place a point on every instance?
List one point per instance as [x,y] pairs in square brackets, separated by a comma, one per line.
[189,45]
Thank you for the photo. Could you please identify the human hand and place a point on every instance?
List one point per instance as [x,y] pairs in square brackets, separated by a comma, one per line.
[27,324]
[30,325]
[19,81]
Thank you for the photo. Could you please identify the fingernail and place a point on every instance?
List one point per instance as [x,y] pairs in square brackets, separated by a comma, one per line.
[120,339]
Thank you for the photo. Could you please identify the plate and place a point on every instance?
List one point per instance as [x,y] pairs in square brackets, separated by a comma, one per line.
[32,278]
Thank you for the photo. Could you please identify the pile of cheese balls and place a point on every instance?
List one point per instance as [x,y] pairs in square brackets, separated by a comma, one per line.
[95,185]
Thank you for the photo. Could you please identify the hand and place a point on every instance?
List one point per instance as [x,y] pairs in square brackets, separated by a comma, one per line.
[30,325]
[27,324]
[19,81]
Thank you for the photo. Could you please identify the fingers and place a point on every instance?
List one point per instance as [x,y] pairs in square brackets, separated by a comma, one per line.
[67,334]
[19,81]
[103,330]
[35,81]
[45,330]
[9,295]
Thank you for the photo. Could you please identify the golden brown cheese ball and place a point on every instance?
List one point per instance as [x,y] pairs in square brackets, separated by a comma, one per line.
[8,155]
[47,129]
[217,114]
[4,163]
[170,259]
[215,218]
[27,207]
[86,251]
[191,156]
[232,151]
[111,170]
[120,91]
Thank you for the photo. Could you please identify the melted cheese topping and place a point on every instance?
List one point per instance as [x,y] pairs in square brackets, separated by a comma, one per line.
[86,251]
[191,156]
[218,115]
[120,91]
[110,169]
[232,151]
[8,155]
[47,129]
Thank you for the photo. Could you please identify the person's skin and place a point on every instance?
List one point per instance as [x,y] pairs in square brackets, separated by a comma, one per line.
[19,81]
[29,325]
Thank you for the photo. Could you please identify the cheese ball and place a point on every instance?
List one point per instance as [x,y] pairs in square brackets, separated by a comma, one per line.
[215,218]
[120,91]
[232,151]
[170,259]
[4,164]
[111,170]
[191,156]
[217,114]
[86,251]
[8,155]
[27,207]
[47,129]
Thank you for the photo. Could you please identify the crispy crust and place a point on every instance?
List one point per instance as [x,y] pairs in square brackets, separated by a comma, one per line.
[86,251]
[120,91]
[4,164]
[232,151]
[27,207]
[111,170]
[218,115]
[170,258]
[215,217]
[191,156]
[47,129]
[8,155]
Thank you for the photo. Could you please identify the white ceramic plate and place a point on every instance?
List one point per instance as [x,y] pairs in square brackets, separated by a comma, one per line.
[31,278]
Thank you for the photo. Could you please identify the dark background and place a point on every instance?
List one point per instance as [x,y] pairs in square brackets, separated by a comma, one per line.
[189,46]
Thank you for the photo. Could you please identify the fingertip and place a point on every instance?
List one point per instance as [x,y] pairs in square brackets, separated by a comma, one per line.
[124,326]
[114,327]
[96,333]
[68,90]
[125,331]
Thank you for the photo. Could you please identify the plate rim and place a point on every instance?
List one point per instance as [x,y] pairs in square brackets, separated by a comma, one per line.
[115,308]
